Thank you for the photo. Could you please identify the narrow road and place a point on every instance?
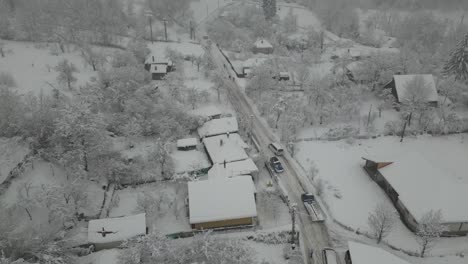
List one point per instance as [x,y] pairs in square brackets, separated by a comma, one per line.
[314,234]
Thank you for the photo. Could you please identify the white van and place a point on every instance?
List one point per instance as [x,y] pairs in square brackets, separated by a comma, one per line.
[276,148]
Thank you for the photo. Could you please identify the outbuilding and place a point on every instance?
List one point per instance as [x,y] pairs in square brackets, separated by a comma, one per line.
[111,232]
[262,46]
[414,88]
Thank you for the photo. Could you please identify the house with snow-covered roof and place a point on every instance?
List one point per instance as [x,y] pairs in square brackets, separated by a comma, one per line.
[359,253]
[154,59]
[111,232]
[414,88]
[224,149]
[222,202]
[416,186]
[219,126]
[262,46]
[232,169]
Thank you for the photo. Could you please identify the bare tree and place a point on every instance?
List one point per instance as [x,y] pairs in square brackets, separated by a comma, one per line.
[92,57]
[416,98]
[163,159]
[312,171]
[381,221]
[430,228]
[66,72]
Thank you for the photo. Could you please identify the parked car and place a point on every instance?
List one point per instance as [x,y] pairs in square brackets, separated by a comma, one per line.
[276,164]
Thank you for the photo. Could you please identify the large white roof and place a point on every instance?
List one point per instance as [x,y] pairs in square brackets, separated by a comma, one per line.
[221,199]
[364,254]
[262,43]
[243,167]
[122,227]
[402,88]
[221,148]
[422,187]
[218,126]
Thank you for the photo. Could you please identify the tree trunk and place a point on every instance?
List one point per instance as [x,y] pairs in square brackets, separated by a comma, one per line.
[29,213]
[277,119]
[409,118]
[94,65]
[423,249]
[85,155]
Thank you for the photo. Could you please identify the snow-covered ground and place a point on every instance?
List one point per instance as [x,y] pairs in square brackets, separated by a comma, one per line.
[32,66]
[351,194]
[168,212]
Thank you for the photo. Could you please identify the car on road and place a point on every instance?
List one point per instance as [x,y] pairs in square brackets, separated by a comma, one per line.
[312,207]
[276,164]
[276,148]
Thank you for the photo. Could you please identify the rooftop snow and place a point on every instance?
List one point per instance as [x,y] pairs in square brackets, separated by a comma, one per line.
[218,126]
[239,141]
[422,187]
[401,85]
[262,43]
[221,199]
[157,59]
[364,254]
[158,68]
[187,142]
[221,149]
[188,161]
[243,167]
[122,227]
[207,111]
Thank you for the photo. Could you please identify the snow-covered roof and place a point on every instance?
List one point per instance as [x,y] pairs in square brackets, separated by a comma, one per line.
[239,141]
[119,228]
[188,161]
[221,148]
[221,199]
[187,142]
[207,111]
[157,59]
[158,68]
[253,62]
[402,81]
[262,44]
[364,254]
[243,167]
[218,126]
[422,187]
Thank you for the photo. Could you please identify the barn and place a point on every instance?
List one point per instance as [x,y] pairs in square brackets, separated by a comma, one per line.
[111,232]
[415,186]
[413,87]
[222,202]
[262,46]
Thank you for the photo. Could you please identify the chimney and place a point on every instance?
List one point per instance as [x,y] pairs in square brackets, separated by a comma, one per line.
[224,163]
[220,142]
[153,58]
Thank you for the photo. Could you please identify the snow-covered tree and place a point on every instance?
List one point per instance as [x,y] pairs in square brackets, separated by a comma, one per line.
[194,97]
[175,84]
[139,49]
[381,221]
[66,72]
[92,57]
[269,8]
[457,64]
[429,230]
[124,59]
[312,171]
[161,156]
[11,109]
[415,100]
[6,79]
[452,89]
[289,22]
[219,84]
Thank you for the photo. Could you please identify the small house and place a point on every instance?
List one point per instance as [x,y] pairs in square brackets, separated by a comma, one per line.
[414,88]
[158,71]
[359,253]
[262,46]
[284,76]
[187,144]
[221,203]
[111,232]
[157,60]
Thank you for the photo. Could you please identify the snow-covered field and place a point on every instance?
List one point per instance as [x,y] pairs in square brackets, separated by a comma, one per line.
[351,194]
[32,66]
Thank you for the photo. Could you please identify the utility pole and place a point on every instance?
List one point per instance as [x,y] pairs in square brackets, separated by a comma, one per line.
[404,128]
[165,28]
[368,116]
[293,231]
[149,14]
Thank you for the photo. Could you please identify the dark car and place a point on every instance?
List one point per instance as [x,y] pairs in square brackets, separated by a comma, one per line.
[276,164]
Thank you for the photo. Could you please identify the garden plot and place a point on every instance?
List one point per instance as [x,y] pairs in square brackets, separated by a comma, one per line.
[32,66]
[351,194]
[163,203]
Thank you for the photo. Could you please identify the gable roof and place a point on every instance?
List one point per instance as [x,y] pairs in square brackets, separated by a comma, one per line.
[122,227]
[402,88]
[262,43]
[221,199]
[157,59]
[365,254]
[221,148]
[218,126]
[436,189]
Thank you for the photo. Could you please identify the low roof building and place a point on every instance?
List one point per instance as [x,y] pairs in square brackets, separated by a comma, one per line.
[192,161]
[413,87]
[222,202]
[110,232]
[218,127]
[364,254]
[223,149]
